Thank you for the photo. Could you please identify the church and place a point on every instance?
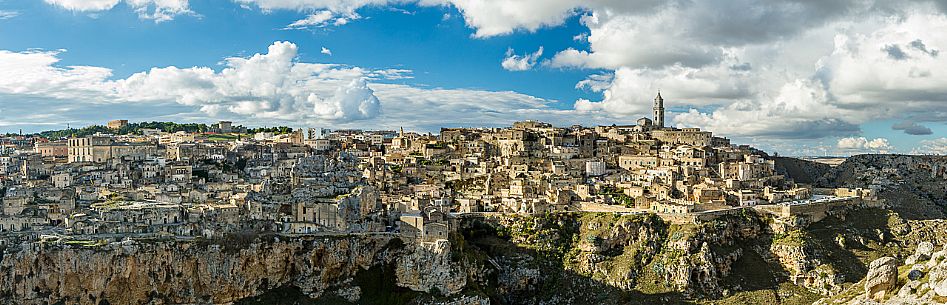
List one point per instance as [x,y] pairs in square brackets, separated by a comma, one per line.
[655,129]
[658,122]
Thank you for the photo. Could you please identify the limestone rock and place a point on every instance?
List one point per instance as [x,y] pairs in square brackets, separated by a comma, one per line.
[882,276]
[169,272]
[351,294]
[427,267]
[463,300]
[937,278]
[924,250]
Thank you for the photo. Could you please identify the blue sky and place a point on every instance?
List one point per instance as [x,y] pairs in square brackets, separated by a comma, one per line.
[780,83]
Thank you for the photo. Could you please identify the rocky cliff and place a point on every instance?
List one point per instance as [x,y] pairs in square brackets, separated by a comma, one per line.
[624,259]
[192,272]
[569,258]
[180,272]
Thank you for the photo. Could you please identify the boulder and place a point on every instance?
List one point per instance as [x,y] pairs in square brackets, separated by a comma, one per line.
[882,276]
[915,275]
[924,250]
[937,278]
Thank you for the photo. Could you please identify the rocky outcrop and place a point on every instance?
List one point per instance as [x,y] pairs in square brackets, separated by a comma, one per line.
[176,272]
[181,272]
[619,251]
[924,283]
[937,274]
[462,300]
[697,258]
[882,277]
[429,269]
[922,253]
[603,240]
[804,261]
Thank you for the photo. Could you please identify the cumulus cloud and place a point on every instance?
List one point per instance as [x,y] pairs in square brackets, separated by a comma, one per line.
[912,128]
[431,109]
[514,62]
[823,81]
[860,75]
[791,69]
[629,91]
[354,101]
[799,110]
[35,73]
[157,10]
[936,146]
[862,144]
[271,87]
[85,5]
[267,85]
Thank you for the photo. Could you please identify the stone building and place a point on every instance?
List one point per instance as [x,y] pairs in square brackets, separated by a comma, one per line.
[117,124]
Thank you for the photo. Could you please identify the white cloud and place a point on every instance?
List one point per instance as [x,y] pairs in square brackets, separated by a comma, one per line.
[326,51]
[390,74]
[823,81]
[492,18]
[157,10]
[862,74]
[514,62]
[431,109]
[85,5]
[629,91]
[4,14]
[323,18]
[337,6]
[776,70]
[799,110]
[269,87]
[637,41]
[354,101]
[862,144]
[936,146]
[35,73]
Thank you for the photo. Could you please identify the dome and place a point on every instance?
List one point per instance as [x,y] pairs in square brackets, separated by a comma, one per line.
[644,122]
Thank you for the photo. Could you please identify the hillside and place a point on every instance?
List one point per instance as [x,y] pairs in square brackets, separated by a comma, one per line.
[906,182]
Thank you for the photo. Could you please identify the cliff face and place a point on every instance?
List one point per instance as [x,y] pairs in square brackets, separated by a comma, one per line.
[226,271]
[630,259]
[913,186]
[581,258]
[429,269]
[804,259]
[187,272]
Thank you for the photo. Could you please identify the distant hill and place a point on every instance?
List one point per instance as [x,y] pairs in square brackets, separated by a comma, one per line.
[801,171]
[135,128]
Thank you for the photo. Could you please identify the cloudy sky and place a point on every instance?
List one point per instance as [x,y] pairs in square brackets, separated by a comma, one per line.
[804,77]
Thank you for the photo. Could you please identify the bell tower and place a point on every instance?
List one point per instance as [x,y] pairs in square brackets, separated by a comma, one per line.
[659,111]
